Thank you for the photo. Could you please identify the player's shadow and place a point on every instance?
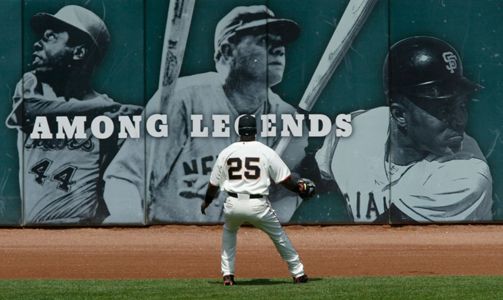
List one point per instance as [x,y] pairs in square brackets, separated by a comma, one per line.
[262,281]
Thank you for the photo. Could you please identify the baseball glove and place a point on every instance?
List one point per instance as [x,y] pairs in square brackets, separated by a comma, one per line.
[306,187]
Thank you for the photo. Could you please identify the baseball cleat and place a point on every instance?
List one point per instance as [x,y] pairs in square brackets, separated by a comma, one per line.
[300,279]
[229,280]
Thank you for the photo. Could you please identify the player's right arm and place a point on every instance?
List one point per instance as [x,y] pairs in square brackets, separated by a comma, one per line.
[211,193]
[216,179]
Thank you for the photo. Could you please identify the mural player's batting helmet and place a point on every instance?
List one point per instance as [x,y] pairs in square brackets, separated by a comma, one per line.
[425,67]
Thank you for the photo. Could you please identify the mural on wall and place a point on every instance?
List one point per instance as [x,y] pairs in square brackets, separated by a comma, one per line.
[422,159]
[249,45]
[65,48]
[426,153]
[462,184]
[406,130]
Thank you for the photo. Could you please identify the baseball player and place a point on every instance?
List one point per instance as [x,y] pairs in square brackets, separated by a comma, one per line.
[413,161]
[244,171]
[63,177]
[250,59]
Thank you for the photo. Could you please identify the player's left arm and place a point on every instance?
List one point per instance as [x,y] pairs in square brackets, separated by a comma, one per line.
[314,166]
[317,159]
[304,187]
[280,173]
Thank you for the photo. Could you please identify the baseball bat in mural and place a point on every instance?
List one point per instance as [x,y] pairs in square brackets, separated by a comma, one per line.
[352,20]
[175,39]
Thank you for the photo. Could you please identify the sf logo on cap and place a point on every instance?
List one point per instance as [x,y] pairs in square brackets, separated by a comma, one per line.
[451,61]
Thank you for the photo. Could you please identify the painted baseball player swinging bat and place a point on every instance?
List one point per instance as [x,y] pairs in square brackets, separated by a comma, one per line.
[353,18]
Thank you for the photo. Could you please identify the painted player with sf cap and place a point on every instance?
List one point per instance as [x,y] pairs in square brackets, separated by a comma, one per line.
[244,171]
[250,57]
[413,161]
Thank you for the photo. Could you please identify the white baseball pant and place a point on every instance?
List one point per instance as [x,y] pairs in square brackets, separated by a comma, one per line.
[259,213]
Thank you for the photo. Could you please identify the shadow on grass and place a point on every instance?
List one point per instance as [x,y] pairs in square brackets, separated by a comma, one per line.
[261,281]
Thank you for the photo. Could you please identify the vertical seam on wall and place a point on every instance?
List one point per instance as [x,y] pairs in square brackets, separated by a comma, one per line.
[21,150]
[267,59]
[389,108]
[145,187]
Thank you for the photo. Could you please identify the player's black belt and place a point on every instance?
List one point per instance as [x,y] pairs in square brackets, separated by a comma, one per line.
[252,196]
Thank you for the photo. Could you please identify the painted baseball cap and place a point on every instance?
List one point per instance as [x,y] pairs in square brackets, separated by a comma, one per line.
[244,18]
[76,18]
[425,67]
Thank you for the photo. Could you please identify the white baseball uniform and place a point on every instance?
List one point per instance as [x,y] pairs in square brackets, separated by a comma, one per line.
[183,163]
[244,171]
[435,189]
[60,179]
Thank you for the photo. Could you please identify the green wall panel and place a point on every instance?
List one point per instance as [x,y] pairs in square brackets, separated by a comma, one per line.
[10,64]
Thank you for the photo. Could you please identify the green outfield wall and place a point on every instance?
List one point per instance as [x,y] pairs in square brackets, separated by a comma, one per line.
[358,180]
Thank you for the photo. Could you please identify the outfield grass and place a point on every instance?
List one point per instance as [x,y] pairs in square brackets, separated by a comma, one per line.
[431,287]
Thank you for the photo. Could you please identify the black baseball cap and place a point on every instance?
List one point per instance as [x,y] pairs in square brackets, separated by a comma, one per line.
[247,125]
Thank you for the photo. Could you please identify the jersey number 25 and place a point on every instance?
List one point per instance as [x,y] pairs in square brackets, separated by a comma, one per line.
[251,165]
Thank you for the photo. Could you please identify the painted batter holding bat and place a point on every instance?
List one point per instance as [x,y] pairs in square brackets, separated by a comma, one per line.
[413,161]
[250,58]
